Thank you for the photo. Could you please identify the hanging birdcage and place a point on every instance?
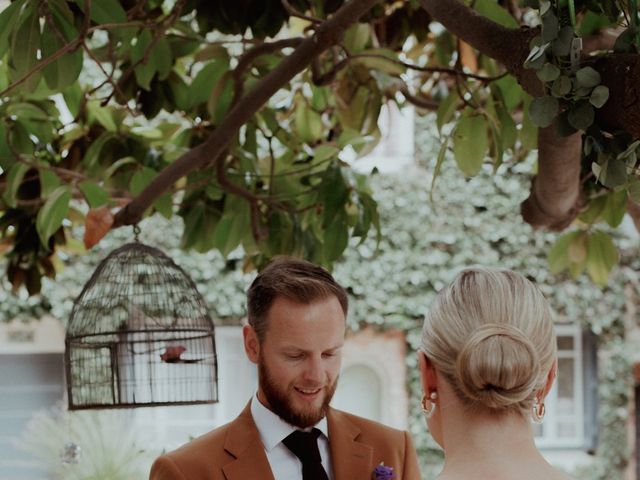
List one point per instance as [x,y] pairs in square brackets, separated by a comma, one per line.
[140,335]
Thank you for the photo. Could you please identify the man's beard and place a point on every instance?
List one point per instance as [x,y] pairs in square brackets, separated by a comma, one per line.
[281,404]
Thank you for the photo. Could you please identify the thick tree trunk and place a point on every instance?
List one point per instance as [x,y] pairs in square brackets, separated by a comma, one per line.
[555,197]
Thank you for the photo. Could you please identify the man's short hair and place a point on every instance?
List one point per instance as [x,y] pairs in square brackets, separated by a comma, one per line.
[296,280]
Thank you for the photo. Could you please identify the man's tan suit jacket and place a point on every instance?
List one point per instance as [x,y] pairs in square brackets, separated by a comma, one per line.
[235,452]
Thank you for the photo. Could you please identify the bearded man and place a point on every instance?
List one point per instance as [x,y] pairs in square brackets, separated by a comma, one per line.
[297,322]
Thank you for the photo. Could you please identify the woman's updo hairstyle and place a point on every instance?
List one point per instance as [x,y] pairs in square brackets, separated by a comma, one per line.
[491,334]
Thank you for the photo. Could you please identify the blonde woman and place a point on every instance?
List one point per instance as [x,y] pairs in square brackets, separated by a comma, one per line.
[487,361]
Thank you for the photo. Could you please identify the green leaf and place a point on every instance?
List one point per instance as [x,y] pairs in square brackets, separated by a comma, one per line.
[64,71]
[550,27]
[92,156]
[141,179]
[8,19]
[95,195]
[221,98]
[446,110]
[145,70]
[117,165]
[14,180]
[548,73]
[163,58]
[205,80]
[615,208]
[200,225]
[563,126]
[599,96]
[164,205]
[179,92]
[307,122]
[470,142]
[561,86]
[103,115]
[577,250]
[73,97]
[528,131]
[234,225]
[558,256]
[508,128]
[543,110]
[211,52]
[588,77]
[581,115]
[511,91]
[6,155]
[49,181]
[336,238]
[52,213]
[357,37]
[561,46]
[324,152]
[594,210]
[493,11]
[633,187]
[439,161]
[105,11]
[382,61]
[609,171]
[602,257]
[25,46]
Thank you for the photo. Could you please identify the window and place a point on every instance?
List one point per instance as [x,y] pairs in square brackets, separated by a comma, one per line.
[568,407]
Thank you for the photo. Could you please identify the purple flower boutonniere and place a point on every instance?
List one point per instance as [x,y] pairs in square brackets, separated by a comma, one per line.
[382,472]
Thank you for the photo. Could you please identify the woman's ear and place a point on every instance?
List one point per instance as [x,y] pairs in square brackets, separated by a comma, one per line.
[428,373]
[551,376]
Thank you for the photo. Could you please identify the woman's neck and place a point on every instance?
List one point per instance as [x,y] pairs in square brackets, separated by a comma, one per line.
[483,445]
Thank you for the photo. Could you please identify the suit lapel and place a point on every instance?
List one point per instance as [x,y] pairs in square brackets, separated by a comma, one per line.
[243,442]
[350,458]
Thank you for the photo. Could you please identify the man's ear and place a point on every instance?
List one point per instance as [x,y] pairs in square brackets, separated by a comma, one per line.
[428,374]
[251,343]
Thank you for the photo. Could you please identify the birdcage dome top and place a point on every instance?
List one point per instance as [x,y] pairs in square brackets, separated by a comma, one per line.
[137,288]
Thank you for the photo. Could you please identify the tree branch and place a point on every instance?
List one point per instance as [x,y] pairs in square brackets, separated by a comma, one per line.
[326,35]
[508,46]
[295,13]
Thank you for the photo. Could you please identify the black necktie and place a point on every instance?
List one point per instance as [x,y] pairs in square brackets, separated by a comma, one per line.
[304,445]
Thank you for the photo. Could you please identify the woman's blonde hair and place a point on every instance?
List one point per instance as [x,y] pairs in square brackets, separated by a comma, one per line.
[491,334]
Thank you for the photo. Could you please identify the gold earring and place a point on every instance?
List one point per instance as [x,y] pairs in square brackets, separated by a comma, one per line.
[429,409]
[538,411]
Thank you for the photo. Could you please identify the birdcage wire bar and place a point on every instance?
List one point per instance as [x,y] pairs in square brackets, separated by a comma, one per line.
[140,335]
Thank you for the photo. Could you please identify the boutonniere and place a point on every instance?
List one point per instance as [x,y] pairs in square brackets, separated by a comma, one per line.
[382,472]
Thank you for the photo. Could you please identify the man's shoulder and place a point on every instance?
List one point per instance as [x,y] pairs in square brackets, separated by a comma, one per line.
[204,445]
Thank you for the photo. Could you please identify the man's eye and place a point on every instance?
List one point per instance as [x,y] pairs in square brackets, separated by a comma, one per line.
[328,355]
[294,357]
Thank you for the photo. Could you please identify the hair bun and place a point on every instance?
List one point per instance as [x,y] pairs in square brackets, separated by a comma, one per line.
[498,366]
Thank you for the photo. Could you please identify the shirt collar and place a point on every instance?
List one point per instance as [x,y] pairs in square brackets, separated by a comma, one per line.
[273,429]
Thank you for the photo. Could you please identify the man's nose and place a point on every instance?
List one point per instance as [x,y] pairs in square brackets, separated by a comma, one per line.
[314,370]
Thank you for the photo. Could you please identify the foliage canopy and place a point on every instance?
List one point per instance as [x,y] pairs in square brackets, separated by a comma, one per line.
[238,116]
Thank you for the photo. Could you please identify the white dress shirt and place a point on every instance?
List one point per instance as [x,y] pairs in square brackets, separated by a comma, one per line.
[284,464]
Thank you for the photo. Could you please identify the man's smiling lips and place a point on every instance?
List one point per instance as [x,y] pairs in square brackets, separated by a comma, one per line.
[308,393]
